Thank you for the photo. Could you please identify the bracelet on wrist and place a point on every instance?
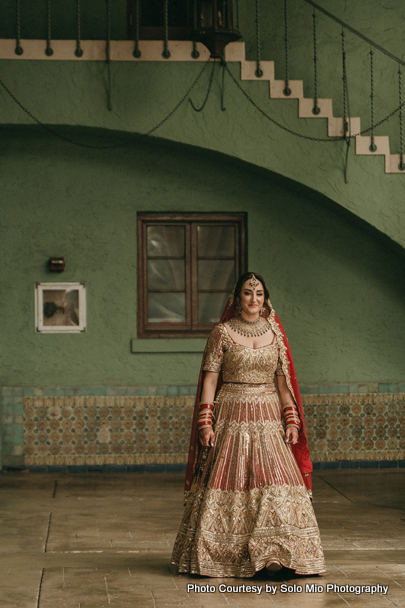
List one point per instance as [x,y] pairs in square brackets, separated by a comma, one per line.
[294,421]
[206,426]
[205,414]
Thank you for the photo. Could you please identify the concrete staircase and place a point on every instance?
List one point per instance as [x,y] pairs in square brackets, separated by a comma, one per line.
[235,52]
[151,50]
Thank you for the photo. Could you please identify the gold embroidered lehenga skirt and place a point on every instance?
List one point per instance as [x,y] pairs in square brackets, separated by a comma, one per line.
[248,503]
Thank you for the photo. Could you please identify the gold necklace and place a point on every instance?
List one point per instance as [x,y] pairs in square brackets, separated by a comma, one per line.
[250,329]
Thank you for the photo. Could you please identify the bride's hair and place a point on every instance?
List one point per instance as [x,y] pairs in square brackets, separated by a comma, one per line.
[238,288]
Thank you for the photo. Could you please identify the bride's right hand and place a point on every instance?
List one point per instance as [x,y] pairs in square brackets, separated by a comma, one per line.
[207,437]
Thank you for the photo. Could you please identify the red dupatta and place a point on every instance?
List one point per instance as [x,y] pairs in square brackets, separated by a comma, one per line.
[300,449]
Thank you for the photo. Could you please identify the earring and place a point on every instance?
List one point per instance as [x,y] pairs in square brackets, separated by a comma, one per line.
[238,307]
[262,311]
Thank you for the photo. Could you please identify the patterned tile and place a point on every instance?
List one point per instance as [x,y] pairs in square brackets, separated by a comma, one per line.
[112,430]
[364,426]
[135,426]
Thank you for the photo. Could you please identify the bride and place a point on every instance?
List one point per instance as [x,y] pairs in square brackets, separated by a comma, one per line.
[248,499]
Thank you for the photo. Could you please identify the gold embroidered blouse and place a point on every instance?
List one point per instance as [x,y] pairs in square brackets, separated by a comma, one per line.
[239,363]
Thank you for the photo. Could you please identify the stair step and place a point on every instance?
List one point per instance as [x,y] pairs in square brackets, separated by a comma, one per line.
[306,105]
[336,129]
[363,143]
[248,70]
[392,163]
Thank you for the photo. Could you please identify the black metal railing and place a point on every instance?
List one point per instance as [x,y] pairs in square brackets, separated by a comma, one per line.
[174,19]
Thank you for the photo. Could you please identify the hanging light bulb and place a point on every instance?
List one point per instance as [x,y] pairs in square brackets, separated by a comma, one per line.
[214,25]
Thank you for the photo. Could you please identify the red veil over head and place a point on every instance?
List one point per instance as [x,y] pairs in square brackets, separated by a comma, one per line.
[300,449]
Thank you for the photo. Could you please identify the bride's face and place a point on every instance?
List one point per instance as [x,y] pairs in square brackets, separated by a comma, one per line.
[251,298]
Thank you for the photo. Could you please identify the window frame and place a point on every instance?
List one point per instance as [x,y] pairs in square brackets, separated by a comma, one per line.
[190,220]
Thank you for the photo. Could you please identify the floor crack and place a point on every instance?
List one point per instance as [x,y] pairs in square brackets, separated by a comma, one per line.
[336,490]
[47,532]
[40,587]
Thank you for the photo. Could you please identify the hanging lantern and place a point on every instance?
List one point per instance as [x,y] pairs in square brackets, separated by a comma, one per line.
[214,25]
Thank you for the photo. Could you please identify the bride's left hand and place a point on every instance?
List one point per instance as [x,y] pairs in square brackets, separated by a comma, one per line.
[291,435]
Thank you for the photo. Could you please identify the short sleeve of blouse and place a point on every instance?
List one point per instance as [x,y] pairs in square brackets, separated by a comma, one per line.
[215,351]
[279,368]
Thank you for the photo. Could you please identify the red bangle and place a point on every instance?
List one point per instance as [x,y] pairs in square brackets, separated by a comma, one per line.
[206,406]
[291,418]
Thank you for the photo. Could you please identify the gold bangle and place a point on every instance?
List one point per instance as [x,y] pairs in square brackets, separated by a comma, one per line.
[289,405]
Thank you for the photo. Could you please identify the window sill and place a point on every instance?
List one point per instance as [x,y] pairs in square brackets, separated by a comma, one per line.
[168,345]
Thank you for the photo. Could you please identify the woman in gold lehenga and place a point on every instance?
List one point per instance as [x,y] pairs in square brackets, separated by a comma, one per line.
[248,503]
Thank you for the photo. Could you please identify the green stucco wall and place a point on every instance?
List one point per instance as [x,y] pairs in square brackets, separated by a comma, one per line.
[335,281]
[71,93]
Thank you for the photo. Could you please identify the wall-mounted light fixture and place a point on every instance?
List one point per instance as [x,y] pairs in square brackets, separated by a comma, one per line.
[57,264]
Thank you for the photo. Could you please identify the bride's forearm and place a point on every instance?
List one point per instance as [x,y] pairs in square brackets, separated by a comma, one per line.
[290,411]
[284,392]
[209,387]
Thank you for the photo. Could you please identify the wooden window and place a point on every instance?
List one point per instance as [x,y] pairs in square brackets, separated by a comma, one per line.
[151,19]
[187,266]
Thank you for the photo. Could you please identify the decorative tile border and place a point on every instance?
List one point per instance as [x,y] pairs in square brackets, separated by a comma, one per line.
[109,430]
[362,388]
[12,409]
[136,427]
[181,468]
[355,426]
[16,393]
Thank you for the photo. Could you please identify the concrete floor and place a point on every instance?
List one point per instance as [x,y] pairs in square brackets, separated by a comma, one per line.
[104,540]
